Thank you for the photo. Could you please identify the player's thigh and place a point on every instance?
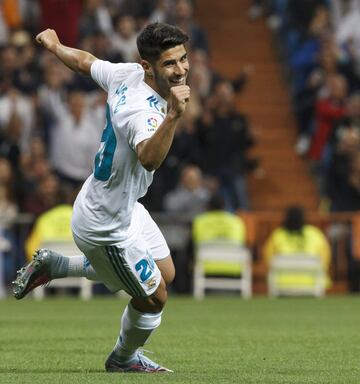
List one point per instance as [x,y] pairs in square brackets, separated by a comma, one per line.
[131,269]
[167,269]
[158,248]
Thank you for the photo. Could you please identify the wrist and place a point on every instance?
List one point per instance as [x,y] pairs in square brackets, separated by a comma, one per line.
[173,115]
[55,48]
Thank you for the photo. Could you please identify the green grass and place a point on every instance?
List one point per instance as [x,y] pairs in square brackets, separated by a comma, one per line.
[219,340]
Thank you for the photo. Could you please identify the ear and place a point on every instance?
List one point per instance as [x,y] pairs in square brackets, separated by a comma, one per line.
[147,68]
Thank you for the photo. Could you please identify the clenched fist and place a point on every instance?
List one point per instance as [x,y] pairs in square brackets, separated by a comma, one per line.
[49,39]
[179,97]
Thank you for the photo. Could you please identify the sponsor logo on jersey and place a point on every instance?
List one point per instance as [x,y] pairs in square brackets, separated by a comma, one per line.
[152,124]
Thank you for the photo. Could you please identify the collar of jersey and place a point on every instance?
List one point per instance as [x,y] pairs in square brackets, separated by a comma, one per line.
[163,102]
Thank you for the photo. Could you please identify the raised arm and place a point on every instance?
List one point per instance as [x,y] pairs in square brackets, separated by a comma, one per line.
[76,59]
[152,152]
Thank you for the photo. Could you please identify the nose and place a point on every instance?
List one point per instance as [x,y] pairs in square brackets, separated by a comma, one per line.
[180,69]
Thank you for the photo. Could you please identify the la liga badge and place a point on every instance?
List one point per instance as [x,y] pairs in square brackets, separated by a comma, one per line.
[152,123]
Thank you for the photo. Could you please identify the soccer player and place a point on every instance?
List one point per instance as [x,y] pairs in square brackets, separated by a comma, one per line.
[122,245]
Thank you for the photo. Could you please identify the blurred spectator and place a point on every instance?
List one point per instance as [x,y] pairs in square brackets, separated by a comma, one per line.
[201,78]
[302,13]
[47,194]
[162,12]
[123,40]
[347,23]
[10,146]
[16,115]
[140,9]
[344,179]
[295,236]
[190,196]
[343,142]
[9,210]
[30,14]
[330,64]
[218,224]
[225,137]
[184,20]
[95,17]
[339,10]
[26,75]
[99,44]
[305,57]
[327,110]
[34,167]
[184,150]
[74,134]
[8,206]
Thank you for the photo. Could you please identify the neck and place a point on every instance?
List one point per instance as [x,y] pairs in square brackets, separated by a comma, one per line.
[152,84]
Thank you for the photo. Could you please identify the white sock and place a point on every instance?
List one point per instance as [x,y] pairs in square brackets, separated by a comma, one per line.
[136,328]
[79,266]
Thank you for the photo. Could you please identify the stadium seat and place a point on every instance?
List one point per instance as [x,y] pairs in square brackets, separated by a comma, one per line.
[296,275]
[222,265]
[66,248]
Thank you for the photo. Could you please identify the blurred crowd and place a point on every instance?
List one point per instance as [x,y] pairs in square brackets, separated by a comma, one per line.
[320,48]
[51,120]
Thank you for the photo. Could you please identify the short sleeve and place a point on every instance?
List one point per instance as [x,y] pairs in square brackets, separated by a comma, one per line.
[142,127]
[101,72]
[104,72]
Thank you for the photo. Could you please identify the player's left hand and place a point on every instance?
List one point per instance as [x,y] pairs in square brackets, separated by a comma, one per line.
[49,39]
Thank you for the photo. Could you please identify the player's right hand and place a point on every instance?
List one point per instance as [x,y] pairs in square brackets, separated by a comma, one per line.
[179,97]
[49,39]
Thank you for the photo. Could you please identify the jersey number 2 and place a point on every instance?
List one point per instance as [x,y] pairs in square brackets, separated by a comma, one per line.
[105,155]
[144,267]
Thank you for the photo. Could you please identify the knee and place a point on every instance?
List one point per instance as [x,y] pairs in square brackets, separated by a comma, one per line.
[158,299]
[154,303]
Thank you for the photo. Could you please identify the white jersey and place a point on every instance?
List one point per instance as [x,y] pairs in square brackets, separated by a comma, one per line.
[106,209]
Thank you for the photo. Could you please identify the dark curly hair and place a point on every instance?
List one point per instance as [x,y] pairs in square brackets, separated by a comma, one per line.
[156,38]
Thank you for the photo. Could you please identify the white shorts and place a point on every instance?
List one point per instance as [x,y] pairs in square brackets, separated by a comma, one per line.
[132,269]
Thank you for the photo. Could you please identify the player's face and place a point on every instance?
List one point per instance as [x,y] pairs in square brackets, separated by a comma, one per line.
[171,69]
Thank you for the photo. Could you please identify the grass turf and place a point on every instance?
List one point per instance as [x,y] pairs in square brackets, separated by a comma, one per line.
[218,340]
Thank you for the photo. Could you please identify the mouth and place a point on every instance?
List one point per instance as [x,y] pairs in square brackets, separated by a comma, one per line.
[179,81]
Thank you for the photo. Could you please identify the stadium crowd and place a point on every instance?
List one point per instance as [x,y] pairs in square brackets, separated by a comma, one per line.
[51,120]
[320,48]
